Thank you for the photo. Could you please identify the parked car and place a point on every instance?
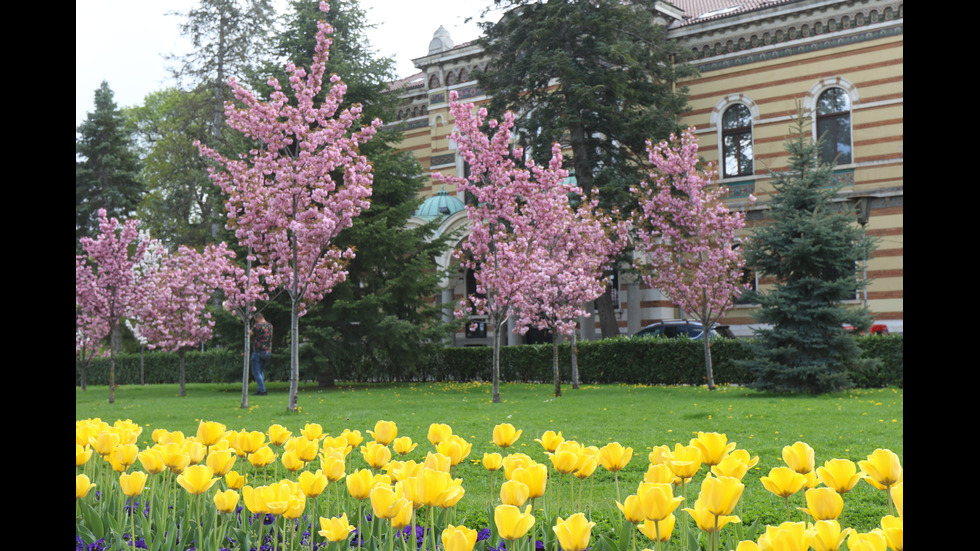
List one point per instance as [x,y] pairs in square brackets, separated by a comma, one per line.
[690,329]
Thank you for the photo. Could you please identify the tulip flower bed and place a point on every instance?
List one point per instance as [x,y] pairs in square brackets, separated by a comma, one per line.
[464,475]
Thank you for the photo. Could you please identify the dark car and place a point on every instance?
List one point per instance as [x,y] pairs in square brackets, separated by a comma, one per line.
[690,329]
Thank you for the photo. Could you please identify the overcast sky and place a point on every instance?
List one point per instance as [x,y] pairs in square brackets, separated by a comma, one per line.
[123,41]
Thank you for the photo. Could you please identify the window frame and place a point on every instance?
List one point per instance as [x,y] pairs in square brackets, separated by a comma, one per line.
[738,133]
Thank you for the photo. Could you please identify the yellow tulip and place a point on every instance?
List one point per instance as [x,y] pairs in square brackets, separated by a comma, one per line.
[383,497]
[234,480]
[221,462]
[262,457]
[132,483]
[685,461]
[305,449]
[312,432]
[826,535]
[384,432]
[534,476]
[197,479]
[335,529]
[195,451]
[312,484]
[359,484]
[337,443]
[823,503]
[175,457]
[492,461]
[376,455]
[730,466]
[439,432]
[788,536]
[564,461]
[295,505]
[400,470]
[438,488]
[82,454]
[514,492]
[869,541]
[505,435]
[353,437]
[613,456]
[747,546]
[783,481]
[403,512]
[515,461]
[226,501]
[437,462]
[894,530]
[839,474]
[166,437]
[403,445]
[660,455]
[574,533]
[659,473]
[334,467]
[455,448]
[714,447]
[152,461]
[658,530]
[550,440]
[720,495]
[632,509]
[255,499]
[799,457]
[587,463]
[883,468]
[104,442]
[123,456]
[657,500]
[278,435]
[82,486]
[458,538]
[511,523]
[707,521]
[210,433]
[251,442]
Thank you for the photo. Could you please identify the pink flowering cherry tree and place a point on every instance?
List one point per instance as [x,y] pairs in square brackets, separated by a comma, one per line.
[299,187]
[107,285]
[688,235]
[243,290]
[175,314]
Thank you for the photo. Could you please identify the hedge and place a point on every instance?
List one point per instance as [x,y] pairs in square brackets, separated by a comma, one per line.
[619,360]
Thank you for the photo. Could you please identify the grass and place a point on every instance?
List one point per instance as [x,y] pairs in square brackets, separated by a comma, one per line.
[846,425]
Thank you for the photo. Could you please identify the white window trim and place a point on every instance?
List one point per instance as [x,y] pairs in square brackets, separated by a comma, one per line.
[810,106]
[715,121]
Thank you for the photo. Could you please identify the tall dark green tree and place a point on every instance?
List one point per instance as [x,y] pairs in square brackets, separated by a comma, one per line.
[599,76]
[811,248]
[377,323]
[106,166]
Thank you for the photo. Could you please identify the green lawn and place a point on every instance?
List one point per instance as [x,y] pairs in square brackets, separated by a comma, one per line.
[844,425]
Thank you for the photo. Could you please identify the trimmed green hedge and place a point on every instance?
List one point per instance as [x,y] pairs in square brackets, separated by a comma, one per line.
[620,360]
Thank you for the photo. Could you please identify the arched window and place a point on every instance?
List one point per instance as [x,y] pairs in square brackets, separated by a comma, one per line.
[834,126]
[736,136]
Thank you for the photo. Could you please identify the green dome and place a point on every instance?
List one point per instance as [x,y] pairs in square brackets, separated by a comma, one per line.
[440,204]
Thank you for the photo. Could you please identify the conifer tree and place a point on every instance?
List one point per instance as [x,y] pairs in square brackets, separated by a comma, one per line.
[812,249]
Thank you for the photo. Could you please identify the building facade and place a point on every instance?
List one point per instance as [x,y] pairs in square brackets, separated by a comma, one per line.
[841,61]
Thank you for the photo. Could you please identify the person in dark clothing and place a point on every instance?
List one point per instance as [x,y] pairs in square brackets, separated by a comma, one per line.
[261,351]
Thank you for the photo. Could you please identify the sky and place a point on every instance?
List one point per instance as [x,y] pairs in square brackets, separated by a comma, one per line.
[124,41]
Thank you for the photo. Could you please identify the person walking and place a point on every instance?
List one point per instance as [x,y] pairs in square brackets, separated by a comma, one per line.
[261,350]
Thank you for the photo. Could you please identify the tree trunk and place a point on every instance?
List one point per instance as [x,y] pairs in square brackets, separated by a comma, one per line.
[497,336]
[608,326]
[294,357]
[142,368]
[574,349]
[554,367]
[112,362]
[707,357]
[247,361]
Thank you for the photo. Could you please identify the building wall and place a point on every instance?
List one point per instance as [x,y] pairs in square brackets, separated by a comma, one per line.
[775,60]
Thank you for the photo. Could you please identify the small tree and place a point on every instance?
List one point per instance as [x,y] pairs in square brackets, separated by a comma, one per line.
[243,290]
[688,235]
[302,184]
[107,285]
[174,315]
[812,250]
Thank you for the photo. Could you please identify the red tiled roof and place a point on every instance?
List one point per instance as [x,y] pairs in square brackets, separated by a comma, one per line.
[704,10]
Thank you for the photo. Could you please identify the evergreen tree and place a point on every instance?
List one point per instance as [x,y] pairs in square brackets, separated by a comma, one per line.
[812,249]
[106,167]
[376,323]
[599,76]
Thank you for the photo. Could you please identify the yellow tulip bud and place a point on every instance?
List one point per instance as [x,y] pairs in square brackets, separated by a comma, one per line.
[458,538]
[713,446]
[403,445]
[505,435]
[550,440]
[335,529]
[197,479]
[210,433]
[783,481]
[132,483]
[799,457]
[312,484]
[278,435]
[511,523]
[82,486]
[226,501]
[658,530]
[514,492]
[492,461]
[823,503]
[384,432]
[574,533]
